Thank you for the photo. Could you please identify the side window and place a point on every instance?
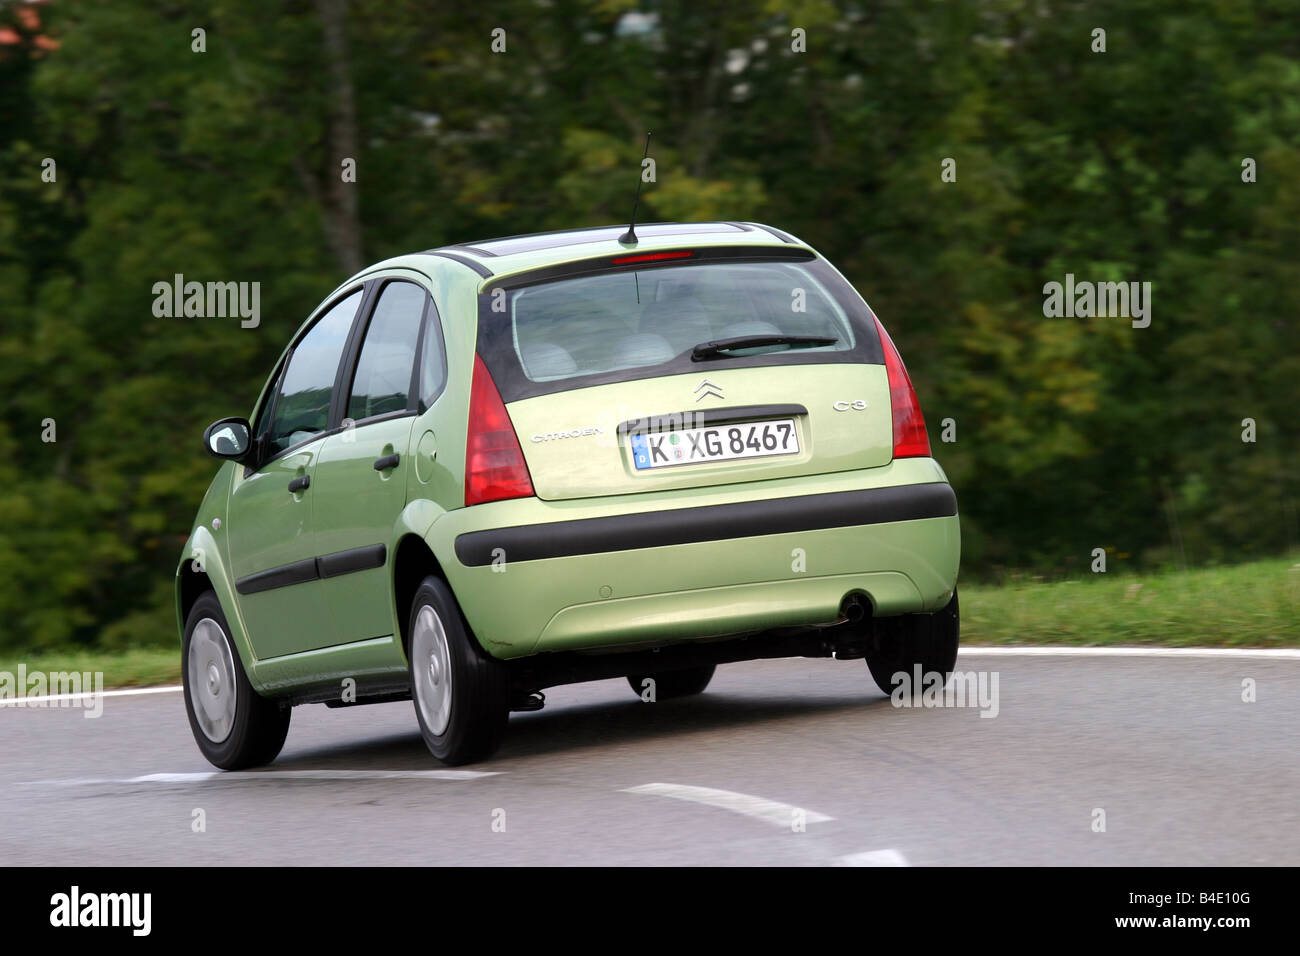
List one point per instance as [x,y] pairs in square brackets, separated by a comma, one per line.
[302,408]
[382,382]
[433,359]
[263,421]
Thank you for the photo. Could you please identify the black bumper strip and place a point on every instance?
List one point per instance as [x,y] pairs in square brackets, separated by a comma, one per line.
[313,569]
[356,559]
[300,572]
[746,519]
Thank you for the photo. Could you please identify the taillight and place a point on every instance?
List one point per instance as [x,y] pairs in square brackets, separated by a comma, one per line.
[494,462]
[652,257]
[910,437]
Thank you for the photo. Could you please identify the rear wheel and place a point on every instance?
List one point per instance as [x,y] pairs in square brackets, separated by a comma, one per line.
[462,695]
[234,726]
[902,644]
[670,684]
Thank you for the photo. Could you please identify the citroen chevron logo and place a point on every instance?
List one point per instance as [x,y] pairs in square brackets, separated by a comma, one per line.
[706,389]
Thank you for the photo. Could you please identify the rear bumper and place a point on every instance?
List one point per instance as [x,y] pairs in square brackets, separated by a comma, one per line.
[615,572]
[742,519]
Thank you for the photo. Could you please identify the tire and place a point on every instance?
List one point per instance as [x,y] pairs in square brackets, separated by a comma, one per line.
[461,694]
[671,684]
[234,726]
[929,640]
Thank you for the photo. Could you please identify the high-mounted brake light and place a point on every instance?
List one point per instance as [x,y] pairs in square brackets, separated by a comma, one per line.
[910,437]
[494,463]
[651,257]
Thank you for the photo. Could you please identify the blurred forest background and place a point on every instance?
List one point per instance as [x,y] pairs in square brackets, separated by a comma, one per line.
[224,165]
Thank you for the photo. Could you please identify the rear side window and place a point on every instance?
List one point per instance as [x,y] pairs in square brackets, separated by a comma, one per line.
[302,407]
[382,382]
[433,360]
[637,323]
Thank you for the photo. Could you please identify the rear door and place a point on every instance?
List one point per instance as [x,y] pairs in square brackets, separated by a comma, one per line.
[363,469]
[610,392]
[269,524]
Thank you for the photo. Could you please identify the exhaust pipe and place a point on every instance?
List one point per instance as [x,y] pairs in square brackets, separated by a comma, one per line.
[854,608]
[850,642]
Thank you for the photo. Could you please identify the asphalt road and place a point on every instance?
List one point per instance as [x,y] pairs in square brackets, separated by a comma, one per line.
[1184,770]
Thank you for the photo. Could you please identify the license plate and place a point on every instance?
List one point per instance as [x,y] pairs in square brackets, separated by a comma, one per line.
[692,446]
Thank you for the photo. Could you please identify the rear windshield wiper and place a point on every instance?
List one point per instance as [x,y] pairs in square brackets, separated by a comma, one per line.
[720,347]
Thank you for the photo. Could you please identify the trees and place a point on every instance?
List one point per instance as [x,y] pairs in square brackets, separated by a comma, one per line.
[228,165]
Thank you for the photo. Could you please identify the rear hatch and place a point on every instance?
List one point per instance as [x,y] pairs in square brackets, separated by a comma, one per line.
[686,368]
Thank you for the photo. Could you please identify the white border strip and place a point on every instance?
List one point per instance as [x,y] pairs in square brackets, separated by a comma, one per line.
[128,692]
[889,857]
[973,650]
[760,808]
[1026,650]
[217,776]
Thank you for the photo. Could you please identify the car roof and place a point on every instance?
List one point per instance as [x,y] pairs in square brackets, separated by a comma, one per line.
[491,258]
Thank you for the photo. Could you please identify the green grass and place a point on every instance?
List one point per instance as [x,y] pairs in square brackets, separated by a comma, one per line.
[1245,605]
[139,668]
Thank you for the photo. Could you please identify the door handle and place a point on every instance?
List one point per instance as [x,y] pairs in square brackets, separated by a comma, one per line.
[299,483]
[388,461]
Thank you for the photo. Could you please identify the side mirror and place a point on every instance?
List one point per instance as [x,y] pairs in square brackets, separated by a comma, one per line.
[227,438]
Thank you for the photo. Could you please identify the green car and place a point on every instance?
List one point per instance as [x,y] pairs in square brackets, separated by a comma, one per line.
[492,468]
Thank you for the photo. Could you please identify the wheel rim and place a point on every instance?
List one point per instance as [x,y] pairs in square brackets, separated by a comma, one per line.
[212,680]
[431,664]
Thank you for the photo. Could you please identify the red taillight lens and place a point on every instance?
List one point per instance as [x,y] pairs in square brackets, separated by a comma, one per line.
[494,462]
[910,437]
[651,257]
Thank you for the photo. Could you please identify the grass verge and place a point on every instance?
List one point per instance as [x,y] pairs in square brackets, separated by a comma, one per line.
[1244,605]
[138,668]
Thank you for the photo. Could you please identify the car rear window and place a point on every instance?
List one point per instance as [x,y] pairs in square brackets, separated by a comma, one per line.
[623,324]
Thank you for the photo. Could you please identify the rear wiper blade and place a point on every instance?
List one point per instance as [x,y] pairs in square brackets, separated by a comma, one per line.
[720,347]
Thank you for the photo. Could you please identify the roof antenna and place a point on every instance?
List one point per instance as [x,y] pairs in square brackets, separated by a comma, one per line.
[629,238]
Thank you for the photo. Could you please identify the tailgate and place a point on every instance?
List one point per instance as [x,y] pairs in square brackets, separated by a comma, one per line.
[707,367]
[714,427]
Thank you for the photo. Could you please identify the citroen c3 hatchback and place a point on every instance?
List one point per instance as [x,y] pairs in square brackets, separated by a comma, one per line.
[488,469]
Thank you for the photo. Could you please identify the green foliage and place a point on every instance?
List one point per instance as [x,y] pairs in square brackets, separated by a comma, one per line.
[1247,605]
[224,166]
[140,667]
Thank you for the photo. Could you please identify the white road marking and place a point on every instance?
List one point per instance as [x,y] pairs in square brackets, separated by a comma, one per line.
[970,650]
[215,775]
[126,692]
[769,811]
[1026,650]
[873,858]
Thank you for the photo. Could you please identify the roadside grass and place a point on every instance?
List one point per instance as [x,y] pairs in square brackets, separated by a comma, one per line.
[1244,605]
[138,668]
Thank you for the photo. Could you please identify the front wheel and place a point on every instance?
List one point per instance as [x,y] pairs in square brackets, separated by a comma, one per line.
[462,696]
[902,645]
[234,726]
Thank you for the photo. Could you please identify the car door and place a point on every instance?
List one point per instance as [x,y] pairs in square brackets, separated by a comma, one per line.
[270,531]
[362,471]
